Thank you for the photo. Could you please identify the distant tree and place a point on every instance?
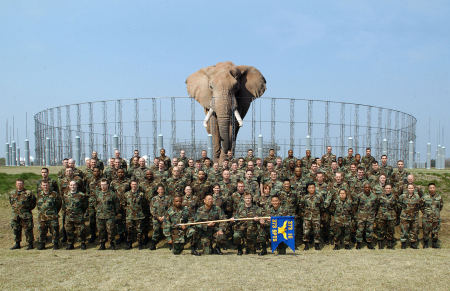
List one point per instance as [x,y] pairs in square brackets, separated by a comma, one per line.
[2,162]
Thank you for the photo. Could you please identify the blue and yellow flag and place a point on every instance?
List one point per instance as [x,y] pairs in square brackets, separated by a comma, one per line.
[282,229]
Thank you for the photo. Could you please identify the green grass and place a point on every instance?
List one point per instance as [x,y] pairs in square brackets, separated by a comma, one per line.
[8,182]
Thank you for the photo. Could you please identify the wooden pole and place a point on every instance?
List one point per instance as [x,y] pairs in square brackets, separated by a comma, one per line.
[222,220]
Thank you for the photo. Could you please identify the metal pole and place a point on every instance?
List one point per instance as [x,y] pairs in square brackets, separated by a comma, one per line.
[18,156]
[77,151]
[443,157]
[438,157]
[350,142]
[308,143]
[209,150]
[385,147]
[115,143]
[47,152]
[411,155]
[27,152]
[13,154]
[10,156]
[429,156]
[260,146]
[160,143]
[7,161]
[418,160]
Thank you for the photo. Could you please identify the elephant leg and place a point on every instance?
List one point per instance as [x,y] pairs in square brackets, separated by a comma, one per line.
[214,131]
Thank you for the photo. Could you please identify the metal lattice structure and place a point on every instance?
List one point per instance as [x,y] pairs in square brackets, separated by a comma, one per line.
[281,128]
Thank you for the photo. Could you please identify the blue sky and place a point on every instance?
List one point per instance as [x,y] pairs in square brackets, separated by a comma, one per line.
[393,54]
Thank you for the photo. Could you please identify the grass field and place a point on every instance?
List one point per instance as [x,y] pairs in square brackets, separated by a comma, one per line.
[160,270]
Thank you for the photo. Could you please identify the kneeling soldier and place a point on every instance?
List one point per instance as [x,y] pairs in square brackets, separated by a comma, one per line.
[134,200]
[49,204]
[177,236]
[107,207]
[74,205]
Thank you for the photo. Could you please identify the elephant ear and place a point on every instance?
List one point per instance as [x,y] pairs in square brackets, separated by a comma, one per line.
[198,86]
[252,85]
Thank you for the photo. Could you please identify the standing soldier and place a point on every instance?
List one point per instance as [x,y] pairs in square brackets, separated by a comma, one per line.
[379,187]
[92,189]
[307,161]
[74,205]
[107,207]
[349,159]
[368,160]
[367,204]
[183,158]
[122,162]
[165,159]
[178,235]
[189,201]
[250,157]
[120,186]
[135,155]
[386,217]
[409,217]
[289,158]
[48,204]
[175,184]
[400,175]
[251,185]
[62,172]
[385,168]
[328,158]
[99,162]
[158,207]
[22,202]
[274,184]
[149,186]
[312,205]
[341,214]
[139,172]
[237,198]
[53,184]
[322,189]
[270,159]
[133,205]
[161,173]
[431,207]
[213,232]
[201,186]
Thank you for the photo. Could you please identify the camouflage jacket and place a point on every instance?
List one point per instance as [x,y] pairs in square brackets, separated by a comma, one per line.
[134,205]
[121,187]
[357,185]
[312,206]
[61,173]
[367,206]
[175,186]
[388,206]
[222,201]
[367,160]
[268,160]
[173,217]
[253,188]
[236,201]
[149,188]
[100,164]
[378,189]
[22,202]
[190,203]
[167,161]
[200,189]
[214,177]
[138,173]
[160,204]
[410,206]
[247,212]
[327,159]
[287,174]
[74,205]
[48,205]
[306,162]
[297,184]
[341,211]
[185,161]
[227,188]
[417,189]
[214,213]
[287,160]
[236,176]
[107,205]
[248,159]
[373,176]
[431,207]
[322,189]
[271,211]
[78,172]
[161,175]
[264,201]
[64,184]
[290,201]
[387,170]
[53,185]
[398,176]
[347,161]
[276,187]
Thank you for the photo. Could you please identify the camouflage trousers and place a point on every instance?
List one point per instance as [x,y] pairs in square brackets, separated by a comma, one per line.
[325,219]
[132,226]
[75,228]
[432,227]
[209,237]
[309,224]
[265,236]
[92,220]
[249,236]
[354,226]
[188,235]
[45,226]
[365,225]
[146,226]
[157,230]
[121,223]
[409,229]
[106,229]
[385,229]
[17,224]
[341,229]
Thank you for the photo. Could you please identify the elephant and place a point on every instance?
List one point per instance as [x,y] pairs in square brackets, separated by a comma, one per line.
[225,91]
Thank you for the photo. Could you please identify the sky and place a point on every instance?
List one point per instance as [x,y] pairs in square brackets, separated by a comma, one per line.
[394,54]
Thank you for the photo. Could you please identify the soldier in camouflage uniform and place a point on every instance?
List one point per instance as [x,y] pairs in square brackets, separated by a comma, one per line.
[120,186]
[289,171]
[265,199]
[189,201]
[138,173]
[279,168]
[185,175]
[289,158]
[230,157]
[251,185]
[409,217]
[100,164]
[76,172]
[48,205]
[235,175]
[400,175]
[178,235]
[334,188]
[74,206]
[236,200]
[214,174]
[175,184]
[378,189]
[417,189]
[356,187]
[247,230]
[220,200]
[62,172]
[53,184]
[374,174]
[123,164]
[92,189]
[341,208]
[328,158]
[226,186]
[322,189]
[149,187]
[87,172]
[133,205]
[274,209]
[165,159]
[367,204]
[289,198]
[249,157]
[386,169]
[161,174]
[22,202]
[312,204]
[349,159]
[158,207]
[265,175]
[386,217]
[307,162]
[107,207]
[201,186]
[297,181]
[211,233]
[431,206]
[368,160]
[274,183]
[270,159]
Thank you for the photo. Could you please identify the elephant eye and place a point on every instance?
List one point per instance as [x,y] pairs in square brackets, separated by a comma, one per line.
[210,86]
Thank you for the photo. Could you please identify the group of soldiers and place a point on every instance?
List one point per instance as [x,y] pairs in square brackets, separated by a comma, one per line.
[334,200]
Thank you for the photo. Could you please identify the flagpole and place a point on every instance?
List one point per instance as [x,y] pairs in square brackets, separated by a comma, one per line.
[222,220]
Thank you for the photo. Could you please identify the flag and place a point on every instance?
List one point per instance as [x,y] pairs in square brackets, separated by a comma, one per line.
[282,229]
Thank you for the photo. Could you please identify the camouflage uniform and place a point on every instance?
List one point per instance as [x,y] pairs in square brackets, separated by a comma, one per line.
[264,201]
[373,177]
[139,173]
[149,188]
[356,186]
[297,184]
[431,207]
[48,207]
[92,189]
[247,230]
[269,159]
[417,189]
[287,160]
[275,187]
[167,161]
[227,188]
[409,217]
[287,174]
[306,163]
[185,161]
[398,177]
[175,233]
[248,159]
[22,202]
[341,215]
[190,203]
[74,205]
[236,176]
[214,177]
[175,186]
[208,235]
[289,200]
[62,173]
[367,161]
[200,189]
[367,206]
[158,208]
[386,216]
[52,183]
[100,164]
[107,206]
[253,188]
[161,175]
[236,201]
[133,204]
[348,161]
[265,231]
[322,189]
[327,159]
[120,187]
[312,206]
[378,189]
[387,170]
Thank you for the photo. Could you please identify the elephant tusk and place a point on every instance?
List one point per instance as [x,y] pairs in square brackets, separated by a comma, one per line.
[210,112]
[238,117]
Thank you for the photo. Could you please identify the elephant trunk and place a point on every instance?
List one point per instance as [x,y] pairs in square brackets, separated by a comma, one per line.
[224,131]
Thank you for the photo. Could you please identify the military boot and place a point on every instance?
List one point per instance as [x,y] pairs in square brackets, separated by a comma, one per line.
[170,247]
[121,238]
[380,245]
[326,240]
[194,251]
[390,245]
[112,246]
[239,253]
[102,247]
[336,247]
[403,245]
[347,247]
[358,245]
[397,221]
[317,247]
[41,246]
[353,239]
[55,246]
[129,246]
[16,246]
[64,239]
[83,246]
[425,244]
[435,245]
[306,246]
[370,246]
[152,245]
[413,245]
[30,246]
[263,250]
[141,246]
[93,237]
[218,251]
[146,240]
[70,247]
